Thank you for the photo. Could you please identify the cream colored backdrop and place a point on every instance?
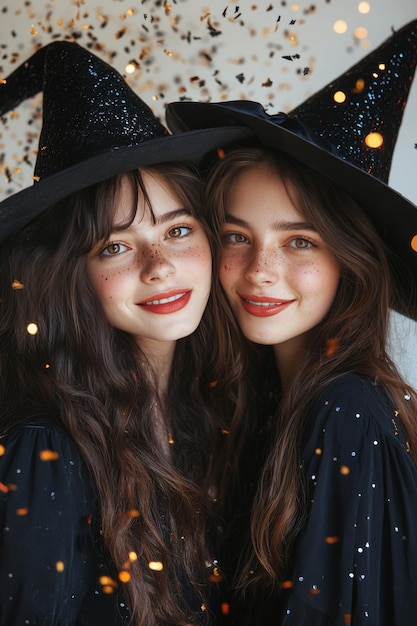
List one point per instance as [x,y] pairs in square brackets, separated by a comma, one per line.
[276,52]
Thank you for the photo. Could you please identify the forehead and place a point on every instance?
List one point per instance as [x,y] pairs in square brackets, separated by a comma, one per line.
[149,204]
[263,193]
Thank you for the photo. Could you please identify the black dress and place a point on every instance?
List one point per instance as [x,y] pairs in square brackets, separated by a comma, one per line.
[356,559]
[53,570]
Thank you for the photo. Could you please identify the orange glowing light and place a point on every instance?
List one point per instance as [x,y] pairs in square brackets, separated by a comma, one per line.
[287,584]
[332,540]
[374,140]
[48,455]
[156,566]
[22,511]
[344,470]
[124,576]
[225,608]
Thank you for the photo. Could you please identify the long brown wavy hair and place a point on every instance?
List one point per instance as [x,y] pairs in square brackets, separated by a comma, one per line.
[352,338]
[94,380]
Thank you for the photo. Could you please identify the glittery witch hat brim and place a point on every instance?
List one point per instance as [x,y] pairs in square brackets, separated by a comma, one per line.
[331,138]
[94,127]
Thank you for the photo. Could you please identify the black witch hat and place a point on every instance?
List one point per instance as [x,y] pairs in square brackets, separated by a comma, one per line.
[347,131]
[94,127]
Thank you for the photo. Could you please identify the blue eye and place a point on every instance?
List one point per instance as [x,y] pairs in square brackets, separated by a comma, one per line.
[113,249]
[178,231]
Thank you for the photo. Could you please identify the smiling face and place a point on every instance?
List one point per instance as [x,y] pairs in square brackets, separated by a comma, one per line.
[153,278]
[279,275]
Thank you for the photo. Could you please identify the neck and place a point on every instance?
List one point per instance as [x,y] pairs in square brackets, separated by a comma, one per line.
[159,355]
[289,357]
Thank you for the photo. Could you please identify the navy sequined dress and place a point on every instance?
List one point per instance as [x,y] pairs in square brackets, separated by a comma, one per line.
[355,563]
[53,569]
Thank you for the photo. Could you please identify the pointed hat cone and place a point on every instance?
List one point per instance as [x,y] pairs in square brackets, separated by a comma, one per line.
[94,127]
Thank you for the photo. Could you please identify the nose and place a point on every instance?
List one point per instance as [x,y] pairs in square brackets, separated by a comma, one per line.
[263,266]
[155,265]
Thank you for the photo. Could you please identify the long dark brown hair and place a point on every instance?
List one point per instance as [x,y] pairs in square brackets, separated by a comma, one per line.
[352,338]
[94,380]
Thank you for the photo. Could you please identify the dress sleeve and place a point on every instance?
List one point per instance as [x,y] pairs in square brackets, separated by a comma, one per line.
[46,565]
[355,563]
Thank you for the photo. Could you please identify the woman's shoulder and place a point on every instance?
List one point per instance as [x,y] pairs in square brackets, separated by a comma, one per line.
[354,391]
[356,406]
[40,447]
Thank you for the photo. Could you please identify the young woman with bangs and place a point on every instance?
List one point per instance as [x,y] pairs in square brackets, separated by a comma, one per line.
[113,363]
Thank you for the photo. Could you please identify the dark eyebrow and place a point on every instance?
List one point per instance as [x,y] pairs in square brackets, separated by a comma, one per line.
[161,219]
[282,225]
[172,215]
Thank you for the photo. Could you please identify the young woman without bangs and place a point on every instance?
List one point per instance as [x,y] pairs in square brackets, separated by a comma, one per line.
[330,422]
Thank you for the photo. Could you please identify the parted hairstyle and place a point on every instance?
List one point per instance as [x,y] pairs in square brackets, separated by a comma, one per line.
[94,380]
[351,338]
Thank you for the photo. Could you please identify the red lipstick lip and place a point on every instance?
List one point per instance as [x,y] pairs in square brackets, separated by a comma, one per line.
[263,306]
[167,302]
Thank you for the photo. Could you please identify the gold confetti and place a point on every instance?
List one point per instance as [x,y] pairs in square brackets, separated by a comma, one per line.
[48,455]
[16,284]
[318,451]
[36,179]
[156,566]
[133,513]
[133,556]
[32,328]
[414,243]
[170,439]
[2,449]
[344,470]
[33,31]
[3,81]
[59,566]
[4,488]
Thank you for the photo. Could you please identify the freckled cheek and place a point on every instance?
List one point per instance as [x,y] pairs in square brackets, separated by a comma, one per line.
[230,268]
[111,285]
